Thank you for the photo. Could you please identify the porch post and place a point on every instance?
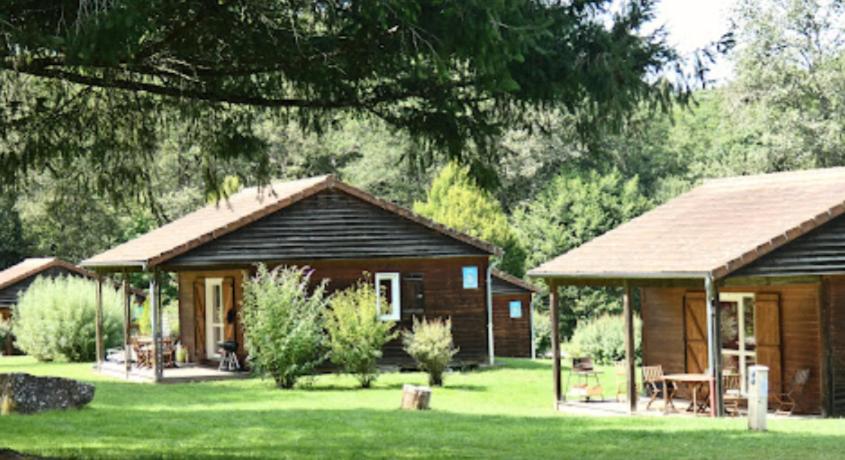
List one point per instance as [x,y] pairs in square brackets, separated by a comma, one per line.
[714,347]
[630,372]
[98,322]
[155,302]
[127,325]
[555,317]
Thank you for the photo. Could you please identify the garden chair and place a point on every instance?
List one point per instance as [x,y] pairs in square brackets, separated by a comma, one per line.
[654,384]
[587,383]
[621,372]
[732,396]
[142,356]
[786,402]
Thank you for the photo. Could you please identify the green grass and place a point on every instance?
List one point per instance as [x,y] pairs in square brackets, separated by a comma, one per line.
[505,412]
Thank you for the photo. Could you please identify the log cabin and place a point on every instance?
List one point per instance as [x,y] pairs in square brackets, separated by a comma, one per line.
[15,280]
[344,234]
[513,316]
[738,271]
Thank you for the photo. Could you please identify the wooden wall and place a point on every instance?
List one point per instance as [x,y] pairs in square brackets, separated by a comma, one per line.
[664,342]
[442,288]
[512,336]
[834,289]
[188,310]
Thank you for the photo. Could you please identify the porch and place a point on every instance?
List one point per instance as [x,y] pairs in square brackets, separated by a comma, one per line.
[184,374]
[613,408]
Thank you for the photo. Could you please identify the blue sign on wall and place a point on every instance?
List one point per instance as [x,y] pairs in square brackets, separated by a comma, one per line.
[471,277]
[516,308]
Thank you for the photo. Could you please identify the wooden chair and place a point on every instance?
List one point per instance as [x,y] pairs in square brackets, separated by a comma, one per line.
[654,384]
[621,379]
[786,402]
[142,355]
[732,396]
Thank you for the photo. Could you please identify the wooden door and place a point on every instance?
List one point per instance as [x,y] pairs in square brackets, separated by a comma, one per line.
[199,319]
[413,296]
[767,335]
[230,316]
[695,332]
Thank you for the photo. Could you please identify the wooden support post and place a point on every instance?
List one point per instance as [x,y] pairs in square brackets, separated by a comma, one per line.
[127,324]
[630,365]
[155,302]
[714,348]
[98,323]
[555,317]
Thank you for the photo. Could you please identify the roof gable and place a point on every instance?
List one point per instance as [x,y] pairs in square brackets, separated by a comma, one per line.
[18,277]
[195,229]
[714,229]
[505,283]
[330,224]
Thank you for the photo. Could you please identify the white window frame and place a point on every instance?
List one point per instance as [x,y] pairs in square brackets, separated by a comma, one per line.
[742,354]
[395,312]
[211,350]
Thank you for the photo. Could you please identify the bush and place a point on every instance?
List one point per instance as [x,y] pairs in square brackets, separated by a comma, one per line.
[430,344]
[283,324]
[5,333]
[145,321]
[542,333]
[356,334]
[603,339]
[55,319]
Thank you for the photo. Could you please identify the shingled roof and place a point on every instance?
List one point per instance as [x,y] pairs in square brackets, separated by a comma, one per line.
[245,207]
[33,266]
[713,230]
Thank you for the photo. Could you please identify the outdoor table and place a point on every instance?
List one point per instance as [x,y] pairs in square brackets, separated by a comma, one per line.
[695,382]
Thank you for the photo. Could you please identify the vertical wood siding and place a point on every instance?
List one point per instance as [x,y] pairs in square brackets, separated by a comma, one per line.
[512,336]
[835,292]
[664,342]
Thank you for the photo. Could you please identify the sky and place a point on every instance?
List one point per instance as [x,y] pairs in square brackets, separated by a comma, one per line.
[693,24]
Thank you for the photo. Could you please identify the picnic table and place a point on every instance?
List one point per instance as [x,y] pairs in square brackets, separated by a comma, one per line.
[696,384]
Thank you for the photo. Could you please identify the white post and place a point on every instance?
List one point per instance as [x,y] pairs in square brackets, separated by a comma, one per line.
[490,340]
[758,397]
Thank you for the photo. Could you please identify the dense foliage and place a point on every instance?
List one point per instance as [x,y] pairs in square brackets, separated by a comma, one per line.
[430,343]
[283,323]
[603,339]
[456,201]
[55,319]
[356,334]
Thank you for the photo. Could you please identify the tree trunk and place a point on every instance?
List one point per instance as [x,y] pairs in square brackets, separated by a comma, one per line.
[415,398]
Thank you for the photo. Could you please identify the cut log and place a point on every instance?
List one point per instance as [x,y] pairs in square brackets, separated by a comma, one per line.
[415,397]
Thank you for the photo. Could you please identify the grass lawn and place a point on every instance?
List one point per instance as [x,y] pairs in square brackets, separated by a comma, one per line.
[503,412]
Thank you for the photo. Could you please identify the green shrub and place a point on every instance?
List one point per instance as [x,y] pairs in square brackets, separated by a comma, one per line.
[603,339]
[5,333]
[542,332]
[283,324]
[55,319]
[430,344]
[145,321]
[356,334]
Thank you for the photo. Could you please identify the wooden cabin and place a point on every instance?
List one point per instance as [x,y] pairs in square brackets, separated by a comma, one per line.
[513,326]
[344,234]
[15,280]
[739,271]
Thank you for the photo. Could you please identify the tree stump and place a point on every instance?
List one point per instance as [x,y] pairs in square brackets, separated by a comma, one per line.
[415,397]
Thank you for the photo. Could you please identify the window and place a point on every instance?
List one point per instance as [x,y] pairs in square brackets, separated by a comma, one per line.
[515,308]
[739,345]
[470,275]
[387,287]
[213,316]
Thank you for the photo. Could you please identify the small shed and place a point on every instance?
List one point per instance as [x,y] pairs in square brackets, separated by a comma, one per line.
[15,280]
[739,271]
[513,316]
[343,233]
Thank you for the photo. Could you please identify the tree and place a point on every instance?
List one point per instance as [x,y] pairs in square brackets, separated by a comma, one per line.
[456,201]
[13,246]
[572,210]
[97,85]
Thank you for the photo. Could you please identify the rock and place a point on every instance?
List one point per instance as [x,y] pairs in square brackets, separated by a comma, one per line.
[28,394]
[9,454]
[415,397]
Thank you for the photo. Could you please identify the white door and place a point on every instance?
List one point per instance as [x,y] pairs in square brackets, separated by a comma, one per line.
[213,316]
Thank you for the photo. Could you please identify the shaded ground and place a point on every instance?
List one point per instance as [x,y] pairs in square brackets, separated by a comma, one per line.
[504,412]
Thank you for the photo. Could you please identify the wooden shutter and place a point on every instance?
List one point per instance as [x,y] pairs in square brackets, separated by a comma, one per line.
[767,334]
[413,296]
[199,311]
[230,316]
[695,332]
